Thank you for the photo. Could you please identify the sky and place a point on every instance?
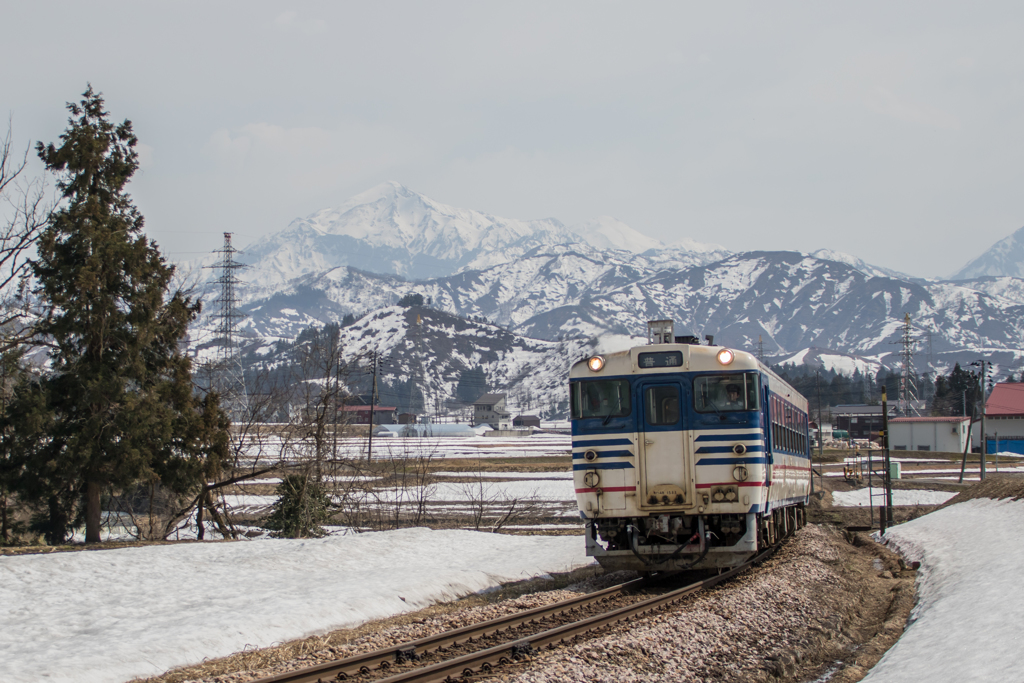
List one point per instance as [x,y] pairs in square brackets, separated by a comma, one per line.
[890,132]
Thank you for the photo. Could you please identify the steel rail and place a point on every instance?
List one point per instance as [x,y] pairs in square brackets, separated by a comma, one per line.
[486,660]
[384,658]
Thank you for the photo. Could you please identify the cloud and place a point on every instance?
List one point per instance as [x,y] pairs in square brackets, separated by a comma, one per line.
[305,159]
[291,21]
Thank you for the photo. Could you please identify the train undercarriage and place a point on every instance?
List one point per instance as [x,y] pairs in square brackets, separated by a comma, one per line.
[680,542]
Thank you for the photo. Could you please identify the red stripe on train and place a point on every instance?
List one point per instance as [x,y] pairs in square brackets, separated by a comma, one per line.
[731,483]
[610,488]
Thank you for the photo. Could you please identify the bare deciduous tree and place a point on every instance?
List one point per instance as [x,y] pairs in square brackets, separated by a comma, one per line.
[25,205]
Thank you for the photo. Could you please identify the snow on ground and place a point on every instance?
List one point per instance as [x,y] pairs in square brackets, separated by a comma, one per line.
[525,489]
[558,490]
[507,475]
[861,498]
[110,615]
[536,445]
[969,616]
[990,468]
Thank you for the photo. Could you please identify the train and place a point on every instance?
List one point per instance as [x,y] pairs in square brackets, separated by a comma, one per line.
[686,455]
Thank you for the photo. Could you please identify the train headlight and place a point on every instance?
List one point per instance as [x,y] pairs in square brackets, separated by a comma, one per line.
[595,363]
[726,356]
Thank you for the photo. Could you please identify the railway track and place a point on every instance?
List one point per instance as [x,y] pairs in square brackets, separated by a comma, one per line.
[438,657]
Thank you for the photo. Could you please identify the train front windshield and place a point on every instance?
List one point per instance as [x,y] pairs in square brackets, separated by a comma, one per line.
[721,393]
[600,398]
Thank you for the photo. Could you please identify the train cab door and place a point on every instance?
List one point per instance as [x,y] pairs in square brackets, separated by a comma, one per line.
[666,479]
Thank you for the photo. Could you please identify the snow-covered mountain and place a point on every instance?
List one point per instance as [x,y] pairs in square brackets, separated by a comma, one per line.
[522,298]
[391,229]
[782,302]
[605,232]
[860,264]
[1005,257]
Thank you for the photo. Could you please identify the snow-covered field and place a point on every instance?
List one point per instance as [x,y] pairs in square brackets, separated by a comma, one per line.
[969,616]
[110,615]
[537,445]
[863,497]
[556,488]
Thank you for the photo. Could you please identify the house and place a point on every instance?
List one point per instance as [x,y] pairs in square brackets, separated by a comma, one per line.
[941,434]
[490,409]
[360,414]
[859,421]
[1004,418]
[526,421]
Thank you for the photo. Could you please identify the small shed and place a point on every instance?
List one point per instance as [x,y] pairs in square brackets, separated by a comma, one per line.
[526,421]
[941,434]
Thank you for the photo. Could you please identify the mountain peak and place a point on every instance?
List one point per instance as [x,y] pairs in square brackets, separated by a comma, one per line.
[388,190]
[606,232]
[1005,257]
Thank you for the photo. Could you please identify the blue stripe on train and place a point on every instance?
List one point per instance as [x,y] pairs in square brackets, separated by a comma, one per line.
[604,466]
[728,449]
[605,454]
[729,437]
[579,443]
[731,461]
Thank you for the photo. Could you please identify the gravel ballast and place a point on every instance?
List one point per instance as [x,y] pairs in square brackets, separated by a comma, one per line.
[819,605]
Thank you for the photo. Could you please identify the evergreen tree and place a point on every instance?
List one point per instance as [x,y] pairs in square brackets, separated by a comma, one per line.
[955,392]
[411,300]
[116,406]
[302,507]
[471,386]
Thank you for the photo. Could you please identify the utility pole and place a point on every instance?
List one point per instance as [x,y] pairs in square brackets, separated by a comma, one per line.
[821,435]
[981,386]
[376,361]
[885,519]
[984,434]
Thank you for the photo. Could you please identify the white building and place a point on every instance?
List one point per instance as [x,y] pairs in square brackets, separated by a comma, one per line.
[941,434]
[490,409]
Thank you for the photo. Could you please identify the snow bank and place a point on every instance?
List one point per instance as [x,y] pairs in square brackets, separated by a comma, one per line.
[860,498]
[968,621]
[111,615]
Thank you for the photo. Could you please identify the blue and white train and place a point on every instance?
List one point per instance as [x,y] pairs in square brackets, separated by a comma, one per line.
[685,456]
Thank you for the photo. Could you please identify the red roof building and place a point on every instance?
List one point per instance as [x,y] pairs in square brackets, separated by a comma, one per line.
[1004,418]
[360,415]
[1006,400]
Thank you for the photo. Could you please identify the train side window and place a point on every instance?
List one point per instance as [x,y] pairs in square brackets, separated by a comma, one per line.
[726,393]
[662,404]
